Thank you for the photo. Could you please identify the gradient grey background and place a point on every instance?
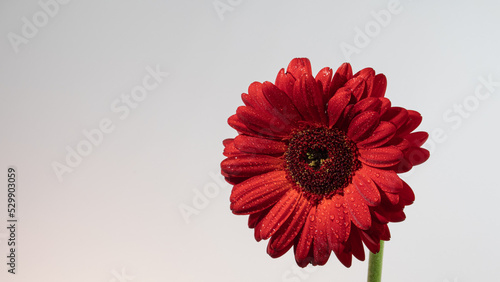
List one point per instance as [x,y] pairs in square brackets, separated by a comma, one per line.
[116,216]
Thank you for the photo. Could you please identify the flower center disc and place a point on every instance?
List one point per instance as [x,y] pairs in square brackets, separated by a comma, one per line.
[321,160]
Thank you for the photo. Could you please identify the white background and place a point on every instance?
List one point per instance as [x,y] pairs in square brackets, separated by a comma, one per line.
[116,216]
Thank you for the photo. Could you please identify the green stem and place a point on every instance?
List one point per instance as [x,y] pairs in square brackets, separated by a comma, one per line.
[375,265]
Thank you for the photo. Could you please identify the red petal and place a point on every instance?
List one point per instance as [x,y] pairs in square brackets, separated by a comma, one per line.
[343,121]
[339,225]
[308,98]
[255,97]
[246,99]
[342,75]
[372,245]
[336,106]
[386,180]
[256,145]
[285,82]
[393,199]
[357,87]
[406,196]
[368,104]
[250,165]
[362,125]
[278,214]
[255,222]
[259,192]
[229,149]
[345,258]
[357,245]
[360,214]
[255,218]
[299,66]
[262,123]
[414,120]
[276,253]
[281,103]
[365,73]
[373,236]
[381,135]
[391,214]
[368,75]
[379,86]
[234,180]
[417,139]
[385,234]
[325,77]
[402,167]
[227,141]
[396,115]
[416,155]
[321,248]
[367,188]
[302,252]
[386,105]
[285,236]
[314,98]
[380,157]
[237,124]
[258,101]
[400,143]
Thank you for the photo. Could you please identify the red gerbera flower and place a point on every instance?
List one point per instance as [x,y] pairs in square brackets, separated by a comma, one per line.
[316,159]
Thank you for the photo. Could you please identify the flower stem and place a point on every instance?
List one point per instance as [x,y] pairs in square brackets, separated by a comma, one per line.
[375,265]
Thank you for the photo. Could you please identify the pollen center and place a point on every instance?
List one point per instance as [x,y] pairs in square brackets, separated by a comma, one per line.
[321,160]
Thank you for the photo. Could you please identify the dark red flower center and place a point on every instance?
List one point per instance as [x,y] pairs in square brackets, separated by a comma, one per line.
[321,160]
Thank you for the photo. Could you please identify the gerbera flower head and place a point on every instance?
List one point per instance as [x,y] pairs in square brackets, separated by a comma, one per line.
[316,160]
